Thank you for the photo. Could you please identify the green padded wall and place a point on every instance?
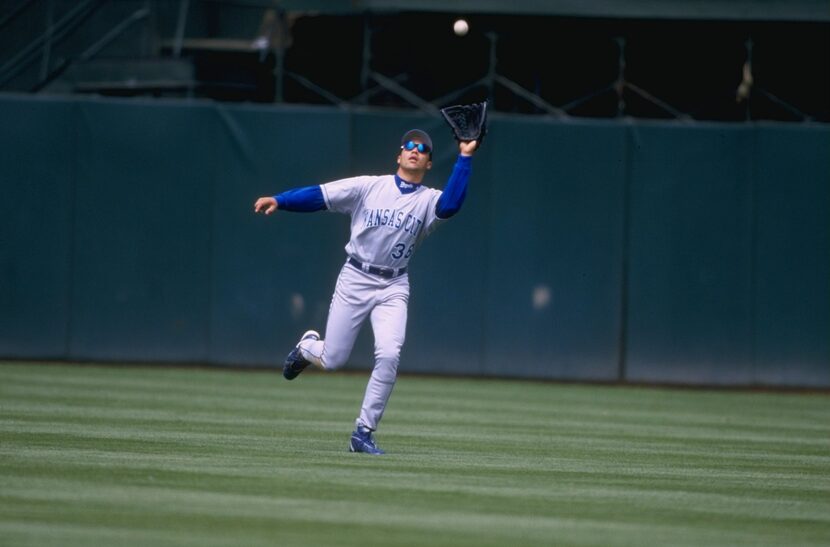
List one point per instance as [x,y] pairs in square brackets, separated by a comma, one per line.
[142,231]
[37,173]
[689,300]
[792,255]
[554,232]
[586,250]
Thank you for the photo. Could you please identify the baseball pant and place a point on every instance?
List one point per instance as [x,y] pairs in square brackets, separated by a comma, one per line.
[358,295]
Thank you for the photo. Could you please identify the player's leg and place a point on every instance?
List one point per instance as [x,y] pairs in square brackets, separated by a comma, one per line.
[350,306]
[389,325]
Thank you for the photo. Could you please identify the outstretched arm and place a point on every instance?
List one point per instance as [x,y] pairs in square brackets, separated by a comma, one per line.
[452,197]
[303,200]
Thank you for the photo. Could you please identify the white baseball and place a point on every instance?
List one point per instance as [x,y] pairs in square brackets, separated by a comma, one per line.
[460,27]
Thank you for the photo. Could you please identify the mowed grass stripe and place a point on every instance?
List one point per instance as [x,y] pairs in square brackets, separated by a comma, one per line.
[131,455]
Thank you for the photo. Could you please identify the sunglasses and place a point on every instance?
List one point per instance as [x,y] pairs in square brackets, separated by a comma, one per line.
[412,145]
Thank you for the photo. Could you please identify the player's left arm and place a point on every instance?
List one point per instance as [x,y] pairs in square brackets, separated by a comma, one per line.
[452,197]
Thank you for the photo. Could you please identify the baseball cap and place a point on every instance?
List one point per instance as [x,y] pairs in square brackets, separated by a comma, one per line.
[417,134]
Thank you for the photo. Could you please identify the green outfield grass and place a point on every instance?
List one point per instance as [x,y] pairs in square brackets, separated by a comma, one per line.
[97,455]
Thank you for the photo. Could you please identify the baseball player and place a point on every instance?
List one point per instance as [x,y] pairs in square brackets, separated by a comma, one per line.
[390,216]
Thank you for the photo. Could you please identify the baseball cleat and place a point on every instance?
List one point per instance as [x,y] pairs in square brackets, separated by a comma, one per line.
[362,441]
[295,363]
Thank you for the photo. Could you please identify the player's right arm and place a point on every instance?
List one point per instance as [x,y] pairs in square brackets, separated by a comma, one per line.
[304,200]
[340,196]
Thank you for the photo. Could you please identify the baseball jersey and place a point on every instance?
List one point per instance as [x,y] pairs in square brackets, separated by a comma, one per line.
[389,216]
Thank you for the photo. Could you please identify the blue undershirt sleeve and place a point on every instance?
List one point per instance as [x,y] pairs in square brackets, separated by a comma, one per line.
[455,190]
[302,200]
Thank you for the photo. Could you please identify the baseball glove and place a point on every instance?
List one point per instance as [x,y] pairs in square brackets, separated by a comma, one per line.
[467,121]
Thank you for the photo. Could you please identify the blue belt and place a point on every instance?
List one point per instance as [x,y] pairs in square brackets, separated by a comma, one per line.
[383,272]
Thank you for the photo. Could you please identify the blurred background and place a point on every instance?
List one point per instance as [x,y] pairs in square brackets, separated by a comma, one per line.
[717,60]
[652,203]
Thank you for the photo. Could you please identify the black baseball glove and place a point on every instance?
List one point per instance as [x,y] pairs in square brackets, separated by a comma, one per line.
[467,121]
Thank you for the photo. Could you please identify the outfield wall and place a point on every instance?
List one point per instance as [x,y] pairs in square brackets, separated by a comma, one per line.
[586,250]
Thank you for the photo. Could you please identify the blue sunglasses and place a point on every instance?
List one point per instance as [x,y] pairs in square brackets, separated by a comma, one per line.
[412,145]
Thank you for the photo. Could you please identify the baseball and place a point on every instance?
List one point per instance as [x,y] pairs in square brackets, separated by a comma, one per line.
[460,27]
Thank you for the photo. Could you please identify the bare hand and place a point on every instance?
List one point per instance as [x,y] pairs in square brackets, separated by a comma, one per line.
[265,204]
[467,148]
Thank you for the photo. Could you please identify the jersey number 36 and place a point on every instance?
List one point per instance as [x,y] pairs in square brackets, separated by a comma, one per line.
[397,251]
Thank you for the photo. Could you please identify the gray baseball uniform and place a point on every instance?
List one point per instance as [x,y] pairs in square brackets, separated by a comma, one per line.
[390,217]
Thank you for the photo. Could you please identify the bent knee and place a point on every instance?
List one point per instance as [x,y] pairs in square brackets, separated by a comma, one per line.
[333,360]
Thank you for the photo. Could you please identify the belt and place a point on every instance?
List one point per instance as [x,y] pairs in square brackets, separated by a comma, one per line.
[383,272]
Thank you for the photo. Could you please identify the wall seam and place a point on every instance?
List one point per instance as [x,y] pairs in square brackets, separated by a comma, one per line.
[622,370]
[73,235]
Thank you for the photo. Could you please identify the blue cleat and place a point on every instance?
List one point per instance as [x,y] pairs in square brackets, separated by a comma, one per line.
[295,363]
[362,441]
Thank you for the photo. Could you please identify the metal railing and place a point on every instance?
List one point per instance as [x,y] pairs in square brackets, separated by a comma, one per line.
[272,39]
[42,44]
